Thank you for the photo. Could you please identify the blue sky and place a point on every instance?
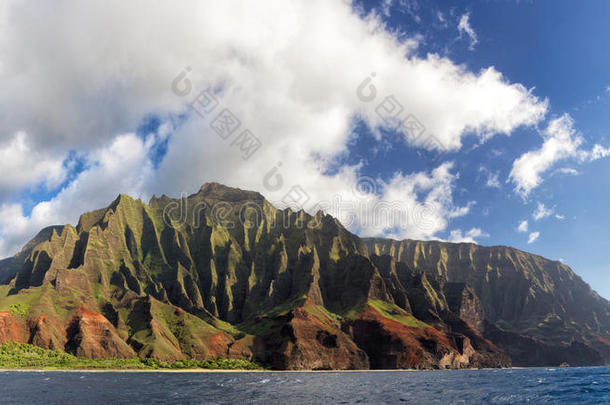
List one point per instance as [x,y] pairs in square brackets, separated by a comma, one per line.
[561,48]
[103,120]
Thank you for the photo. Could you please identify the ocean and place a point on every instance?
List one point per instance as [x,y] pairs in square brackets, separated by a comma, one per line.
[507,386]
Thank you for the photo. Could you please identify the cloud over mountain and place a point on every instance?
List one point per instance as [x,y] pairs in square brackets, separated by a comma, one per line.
[297,83]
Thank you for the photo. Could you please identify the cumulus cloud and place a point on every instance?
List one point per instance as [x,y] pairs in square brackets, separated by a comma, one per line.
[523,226]
[457,236]
[315,56]
[22,166]
[297,83]
[561,141]
[465,28]
[122,167]
[533,237]
[542,212]
[424,201]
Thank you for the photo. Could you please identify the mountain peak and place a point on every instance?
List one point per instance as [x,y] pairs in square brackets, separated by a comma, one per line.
[122,199]
[219,191]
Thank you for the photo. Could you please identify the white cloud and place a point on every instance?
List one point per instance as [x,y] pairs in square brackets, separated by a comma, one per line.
[385,7]
[492,178]
[560,217]
[122,167]
[13,221]
[542,212]
[288,70]
[561,141]
[533,237]
[569,171]
[523,226]
[465,28]
[440,16]
[306,63]
[598,152]
[22,165]
[456,236]
[422,201]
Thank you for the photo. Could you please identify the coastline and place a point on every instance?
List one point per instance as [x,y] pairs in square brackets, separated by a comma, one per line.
[197,370]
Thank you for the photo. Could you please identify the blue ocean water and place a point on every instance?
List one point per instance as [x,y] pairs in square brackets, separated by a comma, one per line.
[511,386]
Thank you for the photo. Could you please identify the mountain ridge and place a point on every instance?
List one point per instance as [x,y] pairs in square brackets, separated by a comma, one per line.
[173,279]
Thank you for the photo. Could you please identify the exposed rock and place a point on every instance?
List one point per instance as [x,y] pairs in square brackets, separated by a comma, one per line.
[46,334]
[304,341]
[464,303]
[530,352]
[12,329]
[91,335]
[393,345]
[518,292]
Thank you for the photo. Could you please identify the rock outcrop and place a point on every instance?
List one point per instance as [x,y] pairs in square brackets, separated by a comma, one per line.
[391,344]
[91,335]
[12,329]
[305,338]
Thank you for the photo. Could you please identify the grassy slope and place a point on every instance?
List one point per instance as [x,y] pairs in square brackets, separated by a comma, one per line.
[397,314]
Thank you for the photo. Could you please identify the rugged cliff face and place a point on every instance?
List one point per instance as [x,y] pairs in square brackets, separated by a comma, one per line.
[223,273]
[506,293]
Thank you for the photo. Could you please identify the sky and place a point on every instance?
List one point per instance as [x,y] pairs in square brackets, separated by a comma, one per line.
[481,122]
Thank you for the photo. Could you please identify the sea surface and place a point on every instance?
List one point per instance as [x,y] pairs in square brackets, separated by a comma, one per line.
[509,386]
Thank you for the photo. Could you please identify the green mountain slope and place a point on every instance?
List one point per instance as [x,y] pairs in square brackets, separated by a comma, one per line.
[223,273]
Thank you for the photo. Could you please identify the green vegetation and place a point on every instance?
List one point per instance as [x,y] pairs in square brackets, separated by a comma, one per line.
[320,312]
[397,314]
[19,309]
[355,310]
[21,356]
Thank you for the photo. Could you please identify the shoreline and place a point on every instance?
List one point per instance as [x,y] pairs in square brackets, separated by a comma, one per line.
[173,371]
